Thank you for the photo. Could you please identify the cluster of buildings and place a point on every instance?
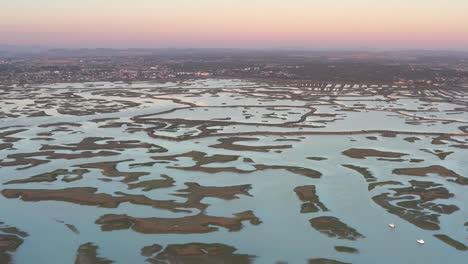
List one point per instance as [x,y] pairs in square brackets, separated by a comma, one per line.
[142,68]
[84,70]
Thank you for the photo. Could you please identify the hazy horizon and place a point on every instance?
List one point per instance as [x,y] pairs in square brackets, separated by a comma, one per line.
[311,49]
[345,24]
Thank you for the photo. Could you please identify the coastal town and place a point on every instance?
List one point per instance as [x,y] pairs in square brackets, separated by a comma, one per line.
[420,70]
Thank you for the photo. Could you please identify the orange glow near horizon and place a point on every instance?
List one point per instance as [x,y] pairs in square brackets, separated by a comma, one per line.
[254,23]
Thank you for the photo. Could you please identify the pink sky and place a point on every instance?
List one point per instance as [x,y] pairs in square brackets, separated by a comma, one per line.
[228,23]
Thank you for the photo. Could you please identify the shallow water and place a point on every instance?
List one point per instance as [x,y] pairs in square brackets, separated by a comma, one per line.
[225,133]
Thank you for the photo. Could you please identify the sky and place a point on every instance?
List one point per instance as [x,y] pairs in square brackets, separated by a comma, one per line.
[314,24]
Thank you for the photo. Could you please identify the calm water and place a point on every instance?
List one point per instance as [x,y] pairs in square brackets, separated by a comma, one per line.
[45,123]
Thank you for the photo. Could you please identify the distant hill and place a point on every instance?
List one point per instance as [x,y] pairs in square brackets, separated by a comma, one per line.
[10,50]
[288,54]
